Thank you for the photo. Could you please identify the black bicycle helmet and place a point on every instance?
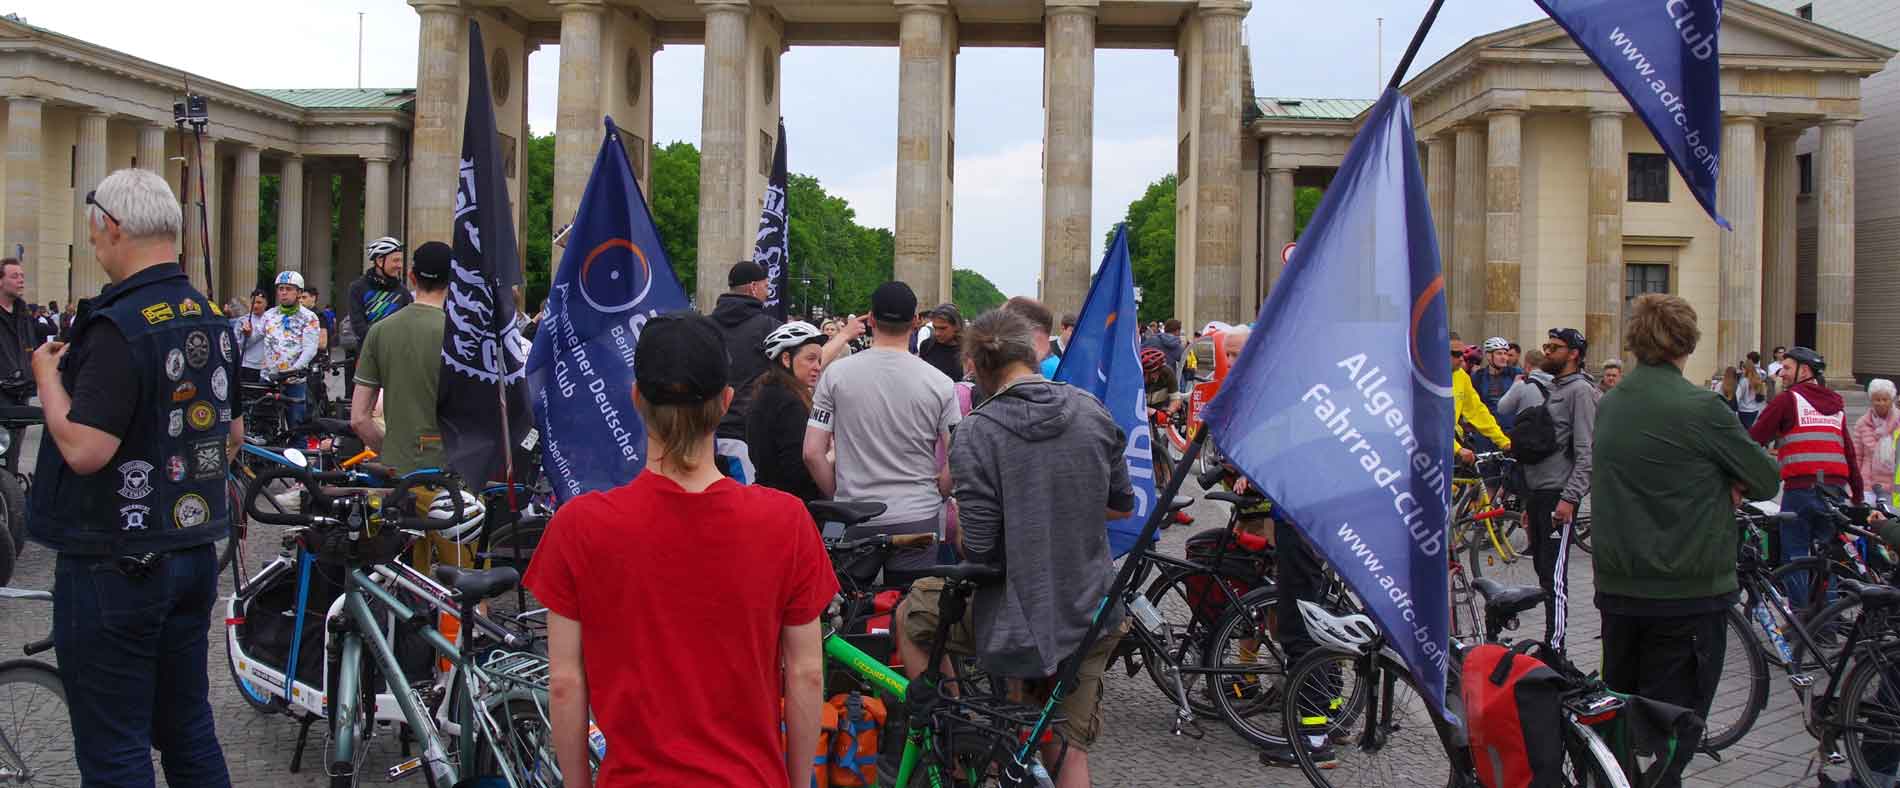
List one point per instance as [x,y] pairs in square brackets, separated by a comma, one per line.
[1807,356]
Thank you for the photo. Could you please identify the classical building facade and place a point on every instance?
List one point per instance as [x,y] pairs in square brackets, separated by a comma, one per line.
[1554,207]
[75,111]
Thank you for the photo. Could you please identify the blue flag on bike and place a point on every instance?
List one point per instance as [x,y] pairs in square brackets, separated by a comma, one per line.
[1340,408]
[1103,359]
[1665,60]
[614,275]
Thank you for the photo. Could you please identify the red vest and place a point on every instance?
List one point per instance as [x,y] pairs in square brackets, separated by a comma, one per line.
[1818,442]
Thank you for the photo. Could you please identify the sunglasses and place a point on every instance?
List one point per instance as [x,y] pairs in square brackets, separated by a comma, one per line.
[93,200]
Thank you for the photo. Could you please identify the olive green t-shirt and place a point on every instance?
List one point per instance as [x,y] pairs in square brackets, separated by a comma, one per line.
[403,356]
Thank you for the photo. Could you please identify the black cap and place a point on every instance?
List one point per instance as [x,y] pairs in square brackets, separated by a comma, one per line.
[1571,338]
[1807,356]
[430,261]
[744,272]
[681,359]
[893,302]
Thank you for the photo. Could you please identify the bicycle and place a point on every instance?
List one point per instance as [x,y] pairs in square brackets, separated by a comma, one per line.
[36,728]
[1486,527]
[14,487]
[492,705]
[1364,701]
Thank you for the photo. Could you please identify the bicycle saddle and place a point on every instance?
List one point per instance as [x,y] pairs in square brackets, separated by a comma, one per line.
[21,413]
[1507,600]
[966,571]
[1871,595]
[1236,499]
[473,584]
[847,512]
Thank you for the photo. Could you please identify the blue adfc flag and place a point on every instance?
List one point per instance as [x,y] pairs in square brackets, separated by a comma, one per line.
[1664,58]
[1103,358]
[1340,408]
[613,276]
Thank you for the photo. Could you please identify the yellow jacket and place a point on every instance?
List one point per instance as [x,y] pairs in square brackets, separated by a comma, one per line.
[1471,409]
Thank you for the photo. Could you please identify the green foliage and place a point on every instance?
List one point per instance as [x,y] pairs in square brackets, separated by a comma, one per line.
[537,227]
[973,293]
[835,262]
[673,196]
[1150,222]
[1305,202]
[267,189]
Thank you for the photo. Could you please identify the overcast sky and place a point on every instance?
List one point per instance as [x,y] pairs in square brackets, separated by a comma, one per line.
[839,103]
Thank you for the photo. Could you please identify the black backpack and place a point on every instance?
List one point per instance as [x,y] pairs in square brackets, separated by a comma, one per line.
[1534,433]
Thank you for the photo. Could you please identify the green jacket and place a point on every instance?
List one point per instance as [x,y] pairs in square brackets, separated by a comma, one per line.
[1667,455]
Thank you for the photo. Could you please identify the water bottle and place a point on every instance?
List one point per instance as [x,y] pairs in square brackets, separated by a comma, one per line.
[1767,624]
[1043,780]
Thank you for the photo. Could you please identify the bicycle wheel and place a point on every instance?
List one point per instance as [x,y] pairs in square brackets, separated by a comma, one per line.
[526,740]
[36,729]
[1830,629]
[1814,573]
[1489,551]
[1870,709]
[1742,691]
[13,509]
[7,555]
[1329,696]
[1163,458]
[1191,605]
[524,534]
[1251,684]
[1467,610]
[1588,761]
[254,695]
[1580,534]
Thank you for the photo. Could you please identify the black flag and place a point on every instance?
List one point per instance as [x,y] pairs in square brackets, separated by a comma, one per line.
[481,402]
[773,249]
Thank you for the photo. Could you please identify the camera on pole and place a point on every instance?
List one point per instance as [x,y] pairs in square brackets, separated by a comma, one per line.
[195,112]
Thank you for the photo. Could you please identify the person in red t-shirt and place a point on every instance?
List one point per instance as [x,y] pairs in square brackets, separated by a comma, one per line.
[683,607]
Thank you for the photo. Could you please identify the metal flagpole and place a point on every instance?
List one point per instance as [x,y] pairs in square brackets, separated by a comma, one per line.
[1411,51]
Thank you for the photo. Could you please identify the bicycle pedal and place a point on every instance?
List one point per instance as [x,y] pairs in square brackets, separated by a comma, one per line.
[404,769]
[1190,728]
[1835,758]
[1801,680]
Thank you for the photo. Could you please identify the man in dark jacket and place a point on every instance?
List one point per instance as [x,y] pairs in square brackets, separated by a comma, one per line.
[1671,463]
[377,294]
[1810,422]
[19,334]
[744,324]
[1556,484]
[944,350]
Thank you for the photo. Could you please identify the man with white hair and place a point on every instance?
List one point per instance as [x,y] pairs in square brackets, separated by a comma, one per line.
[139,434]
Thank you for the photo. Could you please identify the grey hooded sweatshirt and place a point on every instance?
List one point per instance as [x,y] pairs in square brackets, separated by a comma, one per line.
[1035,466]
[1573,406]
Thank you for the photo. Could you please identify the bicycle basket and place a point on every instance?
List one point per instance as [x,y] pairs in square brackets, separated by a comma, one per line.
[383,545]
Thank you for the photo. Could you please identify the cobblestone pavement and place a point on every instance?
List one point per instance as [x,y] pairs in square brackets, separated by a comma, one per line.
[1135,747]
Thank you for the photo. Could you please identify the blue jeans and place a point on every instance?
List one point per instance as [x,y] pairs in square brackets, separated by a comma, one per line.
[1797,538]
[132,655]
[298,409]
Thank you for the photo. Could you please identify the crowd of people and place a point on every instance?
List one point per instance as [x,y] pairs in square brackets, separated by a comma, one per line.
[953,422]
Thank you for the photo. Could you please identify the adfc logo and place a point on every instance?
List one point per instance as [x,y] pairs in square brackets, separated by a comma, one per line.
[616,276]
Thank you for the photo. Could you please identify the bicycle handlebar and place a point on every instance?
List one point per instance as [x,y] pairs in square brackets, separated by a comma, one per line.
[313,482]
[883,541]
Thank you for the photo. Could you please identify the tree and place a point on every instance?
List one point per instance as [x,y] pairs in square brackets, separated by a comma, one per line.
[673,196]
[842,260]
[538,228]
[1150,222]
[1305,202]
[973,293]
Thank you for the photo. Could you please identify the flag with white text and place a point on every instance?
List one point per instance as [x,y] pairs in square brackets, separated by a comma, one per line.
[772,249]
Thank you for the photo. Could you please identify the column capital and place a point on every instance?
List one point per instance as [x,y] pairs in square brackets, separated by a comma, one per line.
[1208,8]
[904,7]
[1608,114]
[377,159]
[25,100]
[293,156]
[1278,170]
[1504,112]
[1742,118]
[1841,122]
[436,6]
[1065,7]
[579,6]
[724,6]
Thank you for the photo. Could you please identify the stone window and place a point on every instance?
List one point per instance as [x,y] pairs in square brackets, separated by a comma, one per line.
[1805,163]
[767,73]
[633,78]
[1649,177]
[1805,12]
[498,75]
[1643,278]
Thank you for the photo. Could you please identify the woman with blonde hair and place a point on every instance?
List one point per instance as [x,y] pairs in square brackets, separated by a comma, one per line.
[1751,393]
[1874,438]
[1731,382]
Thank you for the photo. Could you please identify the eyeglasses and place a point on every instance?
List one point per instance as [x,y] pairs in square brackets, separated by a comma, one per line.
[1552,347]
[93,200]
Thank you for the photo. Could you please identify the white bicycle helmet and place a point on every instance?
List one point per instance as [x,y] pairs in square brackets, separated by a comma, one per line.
[791,336]
[1353,634]
[1214,327]
[443,509]
[1495,344]
[381,247]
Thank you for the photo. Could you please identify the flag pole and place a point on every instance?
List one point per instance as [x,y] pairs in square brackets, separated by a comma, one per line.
[1418,37]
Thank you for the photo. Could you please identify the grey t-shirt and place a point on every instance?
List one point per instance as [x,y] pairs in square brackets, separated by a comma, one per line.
[885,410]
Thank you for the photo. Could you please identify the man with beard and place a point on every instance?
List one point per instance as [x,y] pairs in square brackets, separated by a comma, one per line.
[1555,484]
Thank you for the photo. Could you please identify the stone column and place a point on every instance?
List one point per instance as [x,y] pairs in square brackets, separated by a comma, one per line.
[211,194]
[577,125]
[1468,237]
[1439,191]
[1603,250]
[24,115]
[436,149]
[350,259]
[1503,258]
[89,168]
[725,225]
[290,215]
[1217,188]
[152,148]
[239,272]
[1068,153]
[319,252]
[376,198]
[1739,266]
[924,68]
[1834,253]
[1280,193]
[1779,269]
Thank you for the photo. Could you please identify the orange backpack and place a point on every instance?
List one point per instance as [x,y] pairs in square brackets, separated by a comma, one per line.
[848,727]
